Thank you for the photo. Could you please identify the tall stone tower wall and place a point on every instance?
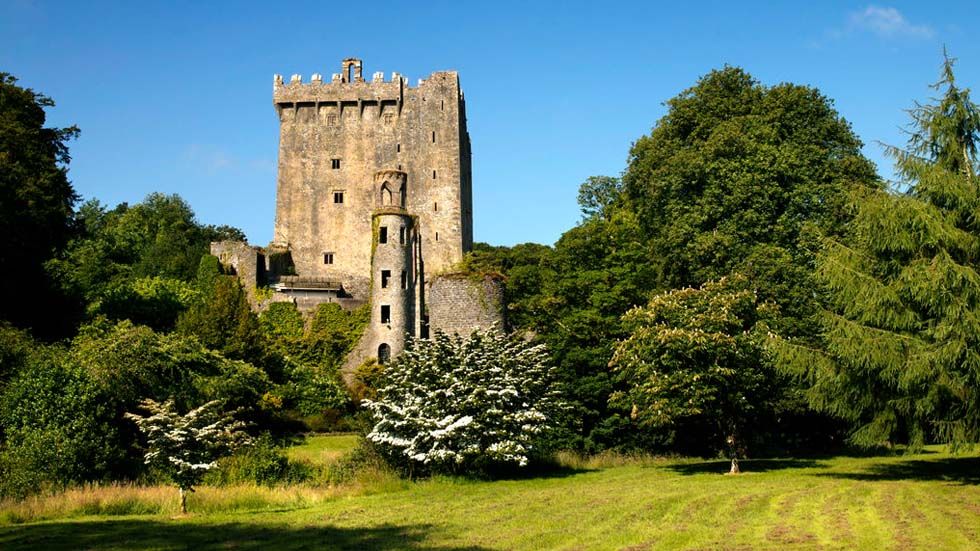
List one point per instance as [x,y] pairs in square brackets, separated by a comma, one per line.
[460,303]
[336,135]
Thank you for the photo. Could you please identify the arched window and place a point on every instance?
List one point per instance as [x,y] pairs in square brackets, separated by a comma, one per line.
[385,194]
[384,353]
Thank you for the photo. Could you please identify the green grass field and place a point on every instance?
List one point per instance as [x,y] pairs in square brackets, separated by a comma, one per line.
[925,501]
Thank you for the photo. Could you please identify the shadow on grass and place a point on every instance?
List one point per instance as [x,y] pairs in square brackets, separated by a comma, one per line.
[721,466]
[962,470]
[156,534]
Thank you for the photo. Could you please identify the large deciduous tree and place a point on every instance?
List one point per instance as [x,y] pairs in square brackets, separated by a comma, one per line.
[739,176]
[36,202]
[900,353]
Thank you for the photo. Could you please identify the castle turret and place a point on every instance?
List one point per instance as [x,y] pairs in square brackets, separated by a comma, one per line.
[395,277]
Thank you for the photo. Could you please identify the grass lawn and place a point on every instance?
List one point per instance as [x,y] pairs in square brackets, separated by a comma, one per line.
[926,501]
[323,449]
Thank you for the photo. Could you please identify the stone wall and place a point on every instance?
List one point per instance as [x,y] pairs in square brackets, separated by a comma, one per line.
[461,303]
[336,135]
[245,261]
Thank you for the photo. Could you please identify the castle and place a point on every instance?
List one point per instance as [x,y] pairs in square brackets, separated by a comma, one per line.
[373,205]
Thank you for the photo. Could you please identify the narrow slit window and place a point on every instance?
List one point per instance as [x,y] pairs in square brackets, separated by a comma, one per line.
[338,197]
[442,104]
[328,258]
[383,234]
[385,276]
[401,235]
[437,236]
[433,174]
[404,279]
[385,313]
[435,207]
[433,137]
[335,163]
[398,148]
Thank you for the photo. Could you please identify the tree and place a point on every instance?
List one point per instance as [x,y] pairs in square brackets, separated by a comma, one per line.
[597,195]
[466,404]
[899,355]
[695,357]
[222,318]
[36,202]
[742,177]
[187,446]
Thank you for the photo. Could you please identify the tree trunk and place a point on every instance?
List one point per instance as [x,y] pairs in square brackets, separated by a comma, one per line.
[183,502]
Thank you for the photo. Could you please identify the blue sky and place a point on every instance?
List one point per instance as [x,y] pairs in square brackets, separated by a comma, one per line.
[176,96]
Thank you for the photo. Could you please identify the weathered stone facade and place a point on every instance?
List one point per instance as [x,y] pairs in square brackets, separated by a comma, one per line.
[336,136]
[460,303]
[373,199]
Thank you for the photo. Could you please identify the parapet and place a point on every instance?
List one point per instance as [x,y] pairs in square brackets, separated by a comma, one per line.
[348,85]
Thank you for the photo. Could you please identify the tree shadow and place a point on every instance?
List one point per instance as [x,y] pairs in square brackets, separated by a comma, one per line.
[961,470]
[721,466]
[178,534]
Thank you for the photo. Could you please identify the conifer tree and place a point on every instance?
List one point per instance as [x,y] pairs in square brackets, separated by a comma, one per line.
[900,351]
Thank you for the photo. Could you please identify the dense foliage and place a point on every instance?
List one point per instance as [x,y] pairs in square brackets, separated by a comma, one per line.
[36,205]
[694,358]
[900,350]
[455,404]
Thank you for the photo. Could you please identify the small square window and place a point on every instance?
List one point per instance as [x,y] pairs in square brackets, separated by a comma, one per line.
[335,163]
[404,279]
[383,234]
[328,258]
[385,276]
[401,235]
[338,197]
[385,313]
[331,120]
[389,118]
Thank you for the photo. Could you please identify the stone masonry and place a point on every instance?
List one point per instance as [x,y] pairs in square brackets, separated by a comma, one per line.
[373,201]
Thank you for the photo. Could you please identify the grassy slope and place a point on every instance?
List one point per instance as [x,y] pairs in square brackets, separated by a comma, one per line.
[929,501]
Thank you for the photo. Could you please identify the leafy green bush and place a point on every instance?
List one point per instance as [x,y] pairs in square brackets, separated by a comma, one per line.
[263,462]
[58,425]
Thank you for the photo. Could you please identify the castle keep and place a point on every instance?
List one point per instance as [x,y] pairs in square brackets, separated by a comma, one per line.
[373,204]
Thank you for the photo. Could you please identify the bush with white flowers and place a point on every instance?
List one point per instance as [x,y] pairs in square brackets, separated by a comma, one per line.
[187,446]
[454,404]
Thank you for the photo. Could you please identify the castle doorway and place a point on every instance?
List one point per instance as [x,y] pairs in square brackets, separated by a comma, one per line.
[384,353]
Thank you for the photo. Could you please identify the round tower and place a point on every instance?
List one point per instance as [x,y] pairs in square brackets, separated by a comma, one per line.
[393,270]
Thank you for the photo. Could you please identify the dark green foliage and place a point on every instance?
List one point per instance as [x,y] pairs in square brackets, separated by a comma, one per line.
[261,462]
[130,261]
[311,357]
[58,427]
[223,320]
[36,202]
[743,177]
[899,356]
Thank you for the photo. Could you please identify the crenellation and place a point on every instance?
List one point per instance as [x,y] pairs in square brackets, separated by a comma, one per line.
[373,183]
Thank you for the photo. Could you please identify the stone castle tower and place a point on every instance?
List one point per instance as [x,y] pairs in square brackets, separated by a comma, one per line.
[373,204]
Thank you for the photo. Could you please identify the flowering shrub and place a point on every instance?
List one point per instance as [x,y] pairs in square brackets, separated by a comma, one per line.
[463,404]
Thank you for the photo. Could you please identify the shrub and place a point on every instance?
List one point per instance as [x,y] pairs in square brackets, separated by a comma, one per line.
[454,404]
[263,462]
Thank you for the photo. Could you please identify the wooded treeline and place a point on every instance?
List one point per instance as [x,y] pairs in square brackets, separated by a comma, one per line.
[747,285]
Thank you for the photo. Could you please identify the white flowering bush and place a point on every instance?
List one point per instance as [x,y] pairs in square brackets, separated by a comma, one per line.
[187,446]
[454,404]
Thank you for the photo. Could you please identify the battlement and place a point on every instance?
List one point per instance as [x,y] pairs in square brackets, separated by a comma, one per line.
[347,86]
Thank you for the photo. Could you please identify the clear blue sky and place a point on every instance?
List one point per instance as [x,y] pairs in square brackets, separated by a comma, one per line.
[176,96]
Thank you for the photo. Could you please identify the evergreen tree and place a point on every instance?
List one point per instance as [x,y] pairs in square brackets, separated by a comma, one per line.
[900,350]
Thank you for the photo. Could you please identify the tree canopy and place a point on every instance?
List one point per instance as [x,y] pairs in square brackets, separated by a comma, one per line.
[899,355]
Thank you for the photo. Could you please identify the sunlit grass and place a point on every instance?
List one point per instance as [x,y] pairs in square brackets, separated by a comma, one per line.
[923,501]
